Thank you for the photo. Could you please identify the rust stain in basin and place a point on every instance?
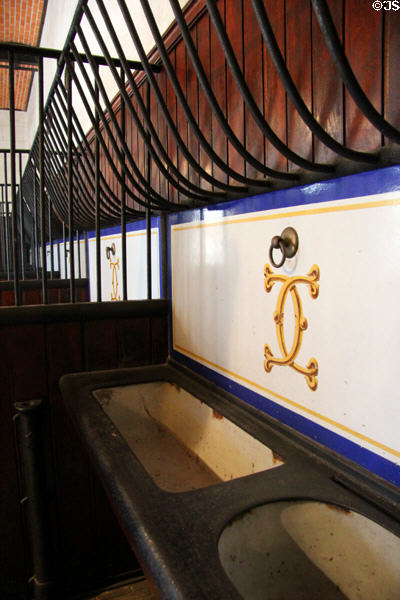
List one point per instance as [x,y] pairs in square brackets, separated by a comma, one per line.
[276,458]
[217,415]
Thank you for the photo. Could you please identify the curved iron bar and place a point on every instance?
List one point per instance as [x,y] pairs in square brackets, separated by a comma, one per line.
[335,47]
[83,193]
[149,125]
[143,132]
[146,190]
[186,108]
[87,153]
[251,103]
[60,176]
[54,134]
[54,183]
[147,135]
[113,208]
[82,174]
[215,107]
[96,128]
[294,95]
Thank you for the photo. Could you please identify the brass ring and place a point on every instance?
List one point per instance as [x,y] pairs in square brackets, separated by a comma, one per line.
[277,242]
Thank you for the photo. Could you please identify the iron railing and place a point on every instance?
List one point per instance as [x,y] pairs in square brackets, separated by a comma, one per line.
[64,192]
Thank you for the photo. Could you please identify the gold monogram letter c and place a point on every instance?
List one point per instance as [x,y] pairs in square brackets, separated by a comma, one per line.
[310,372]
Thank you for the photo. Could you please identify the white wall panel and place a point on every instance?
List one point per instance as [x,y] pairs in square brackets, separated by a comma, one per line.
[136,265]
[223,317]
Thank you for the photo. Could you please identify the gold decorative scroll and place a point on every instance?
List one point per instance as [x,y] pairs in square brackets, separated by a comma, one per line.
[289,284]
[114,281]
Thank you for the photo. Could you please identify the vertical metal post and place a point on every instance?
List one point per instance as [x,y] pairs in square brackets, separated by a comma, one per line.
[123,198]
[148,210]
[51,249]
[14,216]
[28,419]
[79,254]
[86,256]
[41,184]
[97,200]
[65,253]
[164,254]
[69,67]
[58,259]
[21,218]
[5,229]
[7,223]
[35,229]
[2,236]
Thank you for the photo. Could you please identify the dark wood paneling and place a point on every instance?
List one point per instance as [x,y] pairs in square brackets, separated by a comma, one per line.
[391,67]
[89,546]
[162,131]
[298,60]
[235,106]
[253,69]
[100,343]
[205,114]
[13,568]
[133,342]
[363,44]
[327,86]
[193,101]
[274,94]
[172,149]
[218,83]
[182,126]
[71,465]
[159,339]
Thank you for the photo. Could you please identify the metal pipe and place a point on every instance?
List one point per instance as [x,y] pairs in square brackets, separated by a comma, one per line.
[164,255]
[21,217]
[31,54]
[86,255]
[2,240]
[50,241]
[69,68]
[14,216]
[59,257]
[79,254]
[65,252]
[29,418]
[148,209]
[36,227]
[123,201]
[7,219]
[41,183]
[97,200]
[4,229]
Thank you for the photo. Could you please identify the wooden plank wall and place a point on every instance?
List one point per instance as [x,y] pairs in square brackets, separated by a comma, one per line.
[32,295]
[371,40]
[89,548]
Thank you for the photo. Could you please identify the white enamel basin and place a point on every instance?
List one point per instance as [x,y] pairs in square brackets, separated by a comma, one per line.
[303,550]
[182,443]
